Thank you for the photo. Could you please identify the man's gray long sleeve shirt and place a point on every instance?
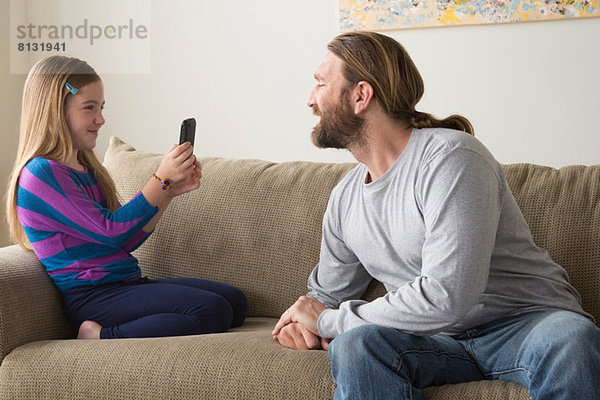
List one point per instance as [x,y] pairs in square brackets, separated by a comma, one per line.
[443,232]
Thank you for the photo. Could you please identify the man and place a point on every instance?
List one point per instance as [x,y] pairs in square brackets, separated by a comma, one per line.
[428,212]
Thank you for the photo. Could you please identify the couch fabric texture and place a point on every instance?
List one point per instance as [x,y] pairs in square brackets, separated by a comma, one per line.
[256,225]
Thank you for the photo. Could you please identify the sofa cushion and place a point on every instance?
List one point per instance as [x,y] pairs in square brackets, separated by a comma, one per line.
[562,208]
[257,224]
[253,224]
[245,363]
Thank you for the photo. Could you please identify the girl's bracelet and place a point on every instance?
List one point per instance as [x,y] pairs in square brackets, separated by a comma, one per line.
[165,183]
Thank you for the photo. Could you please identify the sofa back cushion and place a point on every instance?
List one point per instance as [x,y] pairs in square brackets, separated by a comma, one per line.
[257,225]
[562,208]
[253,224]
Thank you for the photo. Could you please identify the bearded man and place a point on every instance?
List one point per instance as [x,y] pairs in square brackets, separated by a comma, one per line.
[428,212]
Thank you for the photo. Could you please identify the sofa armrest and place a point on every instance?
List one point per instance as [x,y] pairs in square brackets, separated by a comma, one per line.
[30,305]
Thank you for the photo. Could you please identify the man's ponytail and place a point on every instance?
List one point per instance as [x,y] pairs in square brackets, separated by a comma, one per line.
[424,120]
[386,66]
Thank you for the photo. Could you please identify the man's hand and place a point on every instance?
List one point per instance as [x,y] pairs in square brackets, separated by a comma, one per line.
[296,337]
[305,311]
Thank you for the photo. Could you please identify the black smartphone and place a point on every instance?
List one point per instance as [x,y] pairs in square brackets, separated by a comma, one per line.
[188,131]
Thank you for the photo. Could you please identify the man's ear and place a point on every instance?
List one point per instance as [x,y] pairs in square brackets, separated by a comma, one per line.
[362,96]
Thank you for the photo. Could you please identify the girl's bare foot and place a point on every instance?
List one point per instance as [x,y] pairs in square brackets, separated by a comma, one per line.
[89,330]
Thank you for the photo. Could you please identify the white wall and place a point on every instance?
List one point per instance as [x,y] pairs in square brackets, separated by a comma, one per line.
[11,87]
[243,73]
[532,90]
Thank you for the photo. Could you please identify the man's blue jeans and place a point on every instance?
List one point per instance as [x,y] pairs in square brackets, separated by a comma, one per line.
[556,355]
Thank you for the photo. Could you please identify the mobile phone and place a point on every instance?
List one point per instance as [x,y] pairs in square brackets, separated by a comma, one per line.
[188,131]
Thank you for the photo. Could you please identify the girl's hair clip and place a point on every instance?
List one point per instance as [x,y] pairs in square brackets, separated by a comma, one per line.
[71,88]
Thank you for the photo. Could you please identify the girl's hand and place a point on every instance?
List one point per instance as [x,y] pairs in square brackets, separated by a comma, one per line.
[182,168]
[183,171]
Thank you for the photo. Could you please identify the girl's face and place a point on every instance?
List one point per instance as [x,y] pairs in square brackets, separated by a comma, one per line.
[83,112]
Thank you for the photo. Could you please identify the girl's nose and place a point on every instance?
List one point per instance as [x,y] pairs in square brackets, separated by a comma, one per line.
[99,119]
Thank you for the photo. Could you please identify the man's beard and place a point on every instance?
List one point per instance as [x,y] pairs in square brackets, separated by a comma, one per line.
[338,128]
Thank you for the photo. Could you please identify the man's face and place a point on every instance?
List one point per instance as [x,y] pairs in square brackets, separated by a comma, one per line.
[330,99]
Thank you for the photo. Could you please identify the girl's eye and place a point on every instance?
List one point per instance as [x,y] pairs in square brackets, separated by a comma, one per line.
[91,107]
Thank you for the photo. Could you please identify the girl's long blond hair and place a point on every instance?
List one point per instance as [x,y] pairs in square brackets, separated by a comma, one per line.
[44,132]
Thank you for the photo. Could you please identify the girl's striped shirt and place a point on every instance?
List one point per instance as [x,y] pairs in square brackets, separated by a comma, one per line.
[76,237]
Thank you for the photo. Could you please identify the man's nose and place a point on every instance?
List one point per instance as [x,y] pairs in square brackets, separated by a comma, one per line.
[311,99]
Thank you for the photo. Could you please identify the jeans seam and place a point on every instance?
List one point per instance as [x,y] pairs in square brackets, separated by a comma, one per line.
[401,356]
[410,396]
[506,371]
[469,347]
[431,352]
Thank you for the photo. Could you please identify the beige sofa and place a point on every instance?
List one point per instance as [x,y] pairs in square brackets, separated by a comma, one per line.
[256,225]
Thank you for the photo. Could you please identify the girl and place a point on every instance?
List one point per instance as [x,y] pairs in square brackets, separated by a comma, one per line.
[62,204]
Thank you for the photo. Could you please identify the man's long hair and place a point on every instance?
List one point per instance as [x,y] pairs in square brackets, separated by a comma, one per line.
[386,66]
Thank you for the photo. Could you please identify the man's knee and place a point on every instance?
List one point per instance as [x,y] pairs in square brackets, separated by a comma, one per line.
[566,335]
[581,339]
[562,353]
[358,345]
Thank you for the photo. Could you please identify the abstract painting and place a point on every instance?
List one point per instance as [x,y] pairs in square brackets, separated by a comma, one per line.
[399,14]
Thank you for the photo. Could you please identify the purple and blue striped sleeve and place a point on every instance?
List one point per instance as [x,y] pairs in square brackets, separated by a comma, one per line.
[50,200]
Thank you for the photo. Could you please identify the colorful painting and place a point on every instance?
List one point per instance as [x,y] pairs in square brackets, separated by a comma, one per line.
[398,14]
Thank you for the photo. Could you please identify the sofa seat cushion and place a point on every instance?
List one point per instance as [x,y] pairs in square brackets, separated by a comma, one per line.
[243,363]
[480,390]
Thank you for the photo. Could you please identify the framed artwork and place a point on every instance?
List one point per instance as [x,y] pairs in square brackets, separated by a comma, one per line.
[401,14]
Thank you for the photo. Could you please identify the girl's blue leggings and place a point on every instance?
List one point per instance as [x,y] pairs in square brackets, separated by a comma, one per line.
[156,308]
